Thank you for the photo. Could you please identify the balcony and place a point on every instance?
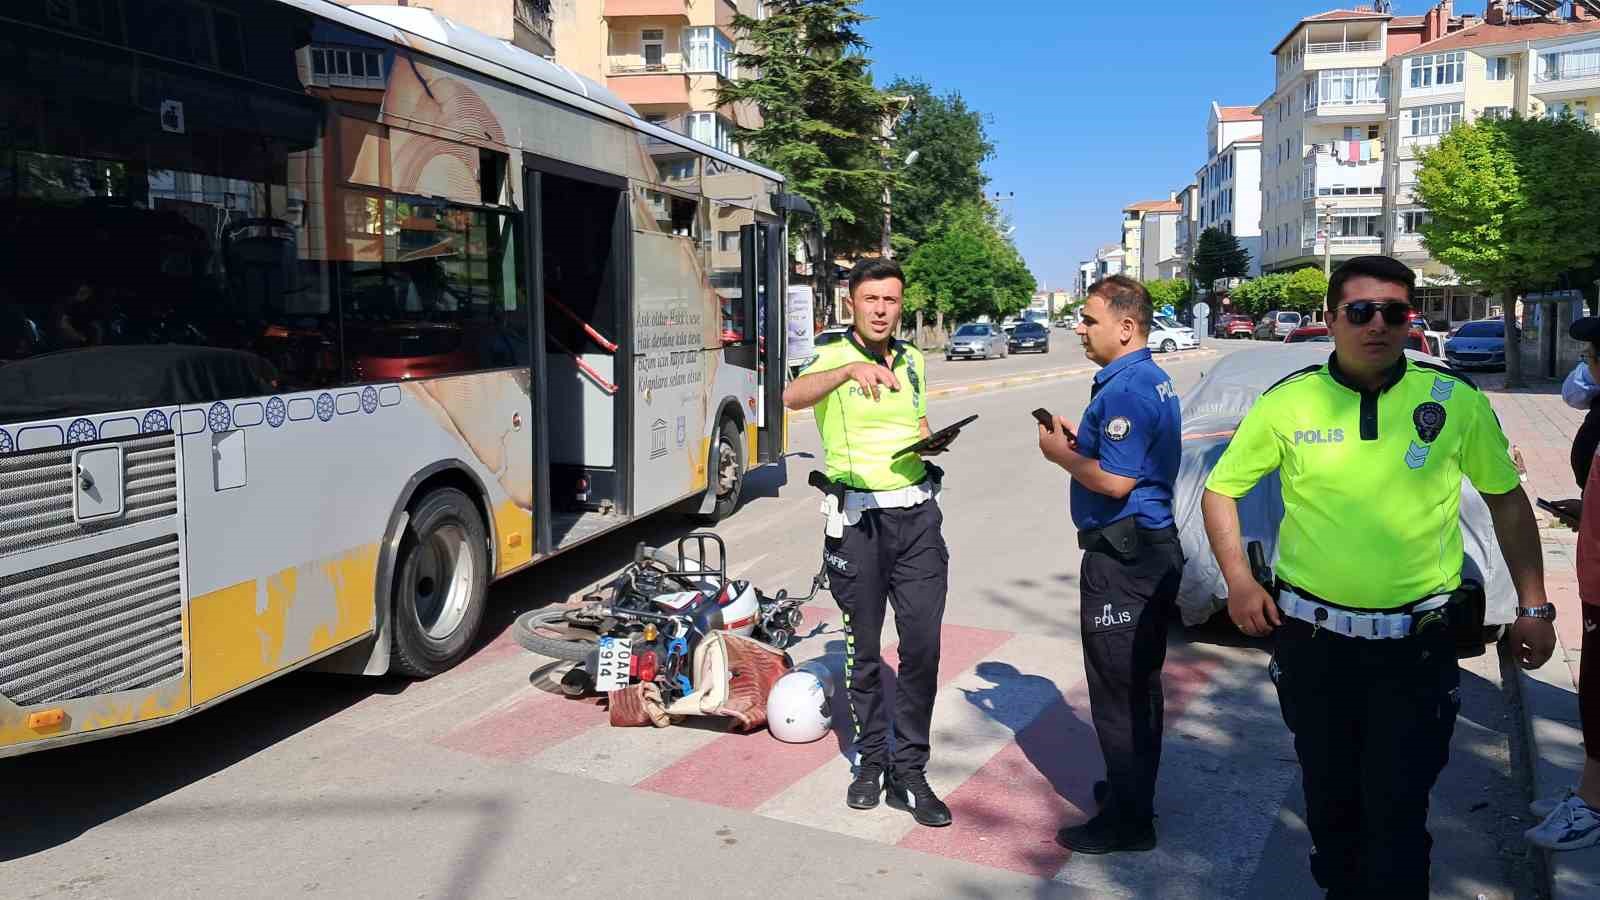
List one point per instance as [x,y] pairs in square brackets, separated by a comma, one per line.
[649,84]
[656,9]
[1345,47]
[1569,75]
[534,15]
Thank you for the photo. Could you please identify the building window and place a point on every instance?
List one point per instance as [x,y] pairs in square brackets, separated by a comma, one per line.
[1497,112]
[1435,119]
[341,67]
[1583,63]
[1410,221]
[654,41]
[1347,87]
[1577,109]
[1499,68]
[712,129]
[1437,69]
[710,51]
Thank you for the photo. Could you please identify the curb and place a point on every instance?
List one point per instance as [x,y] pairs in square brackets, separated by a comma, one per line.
[1552,759]
[1527,760]
[977,387]
[1035,377]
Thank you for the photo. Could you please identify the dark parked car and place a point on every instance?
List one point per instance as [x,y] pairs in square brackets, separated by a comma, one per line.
[1477,345]
[1029,337]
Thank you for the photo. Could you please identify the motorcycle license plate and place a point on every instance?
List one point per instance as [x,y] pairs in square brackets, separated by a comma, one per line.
[611,672]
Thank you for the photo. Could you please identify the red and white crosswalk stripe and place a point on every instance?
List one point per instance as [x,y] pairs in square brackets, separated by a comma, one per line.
[1014,752]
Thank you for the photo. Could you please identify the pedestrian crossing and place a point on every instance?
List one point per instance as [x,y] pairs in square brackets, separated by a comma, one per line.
[1014,753]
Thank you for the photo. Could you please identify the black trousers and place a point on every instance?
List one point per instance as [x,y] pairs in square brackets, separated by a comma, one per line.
[1125,608]
[1372,722]
[891,556]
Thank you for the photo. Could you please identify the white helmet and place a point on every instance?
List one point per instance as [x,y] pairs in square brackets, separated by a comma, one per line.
[798,708]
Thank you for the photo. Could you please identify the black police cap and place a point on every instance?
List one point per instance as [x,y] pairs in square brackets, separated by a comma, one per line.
[1586,329]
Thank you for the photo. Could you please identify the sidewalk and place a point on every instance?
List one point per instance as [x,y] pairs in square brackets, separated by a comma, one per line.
[1541,426]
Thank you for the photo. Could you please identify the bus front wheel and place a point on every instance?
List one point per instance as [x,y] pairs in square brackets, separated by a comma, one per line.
[440,582]
[726,478]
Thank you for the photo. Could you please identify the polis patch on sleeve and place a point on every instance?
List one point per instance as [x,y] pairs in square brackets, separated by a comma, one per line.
[1118,428]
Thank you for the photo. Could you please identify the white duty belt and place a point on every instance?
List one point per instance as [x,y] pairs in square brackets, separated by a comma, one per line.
[855,502]
[1371,626]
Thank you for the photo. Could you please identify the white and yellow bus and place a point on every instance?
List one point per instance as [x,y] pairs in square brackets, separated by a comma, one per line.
[315,321]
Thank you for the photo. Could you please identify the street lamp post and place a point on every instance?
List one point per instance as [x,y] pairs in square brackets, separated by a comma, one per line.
[885,247]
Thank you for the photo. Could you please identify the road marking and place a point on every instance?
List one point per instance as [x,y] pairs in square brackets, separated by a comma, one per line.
[525,724]
[741,771]
[1006,814]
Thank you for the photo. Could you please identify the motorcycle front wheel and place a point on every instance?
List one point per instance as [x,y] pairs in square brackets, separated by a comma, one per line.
[557,633]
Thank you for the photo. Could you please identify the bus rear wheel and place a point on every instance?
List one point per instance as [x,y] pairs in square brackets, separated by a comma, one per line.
[441,578]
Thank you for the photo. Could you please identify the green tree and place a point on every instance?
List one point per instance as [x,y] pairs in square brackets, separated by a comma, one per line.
[952,145]
[1305,290]
[1218,255]
[1256,296]
[1172,292]
[966,269]
[822,118]
[1515,205]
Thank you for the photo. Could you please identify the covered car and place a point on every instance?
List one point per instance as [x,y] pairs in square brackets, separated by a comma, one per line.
[1211,413]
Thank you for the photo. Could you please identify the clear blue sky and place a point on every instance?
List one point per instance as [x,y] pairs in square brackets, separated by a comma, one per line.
[1094,104]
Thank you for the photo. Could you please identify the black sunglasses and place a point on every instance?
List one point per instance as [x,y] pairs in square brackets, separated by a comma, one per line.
[1360,312]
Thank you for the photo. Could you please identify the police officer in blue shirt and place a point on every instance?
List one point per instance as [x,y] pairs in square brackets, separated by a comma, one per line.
[1123,459]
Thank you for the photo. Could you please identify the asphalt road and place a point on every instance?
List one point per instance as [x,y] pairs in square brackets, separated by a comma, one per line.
[482,783]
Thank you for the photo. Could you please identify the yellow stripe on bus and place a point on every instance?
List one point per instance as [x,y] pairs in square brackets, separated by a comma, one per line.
[247,631]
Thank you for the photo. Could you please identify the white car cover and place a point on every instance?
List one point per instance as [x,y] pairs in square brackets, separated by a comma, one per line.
[1211,412]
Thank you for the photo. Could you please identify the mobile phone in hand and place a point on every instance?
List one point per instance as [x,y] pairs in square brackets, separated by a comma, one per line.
[1049,422]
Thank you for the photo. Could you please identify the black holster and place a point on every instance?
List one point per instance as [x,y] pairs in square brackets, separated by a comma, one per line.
[1124,539]
[1465,611]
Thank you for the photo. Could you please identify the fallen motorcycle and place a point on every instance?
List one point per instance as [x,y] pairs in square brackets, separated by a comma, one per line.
[647,623]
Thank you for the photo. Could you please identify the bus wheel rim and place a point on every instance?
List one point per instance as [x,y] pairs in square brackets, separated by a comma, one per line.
[727,467]
[443,581]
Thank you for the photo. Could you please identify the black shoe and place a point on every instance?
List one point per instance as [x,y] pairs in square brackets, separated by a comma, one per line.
[863,792]
[1105,834]
[910,792]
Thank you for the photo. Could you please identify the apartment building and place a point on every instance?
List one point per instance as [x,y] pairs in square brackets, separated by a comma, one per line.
[1323,133]
[525,23]
[1534,59]
[1158,242]
[1188,225]
[665,58]
[1133,216]
[1229,183]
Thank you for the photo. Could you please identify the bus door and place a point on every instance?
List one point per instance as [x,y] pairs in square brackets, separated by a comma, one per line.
[770,291]
[581,390]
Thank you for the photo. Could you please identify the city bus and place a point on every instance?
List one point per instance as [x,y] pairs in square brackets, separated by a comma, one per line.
[314,321]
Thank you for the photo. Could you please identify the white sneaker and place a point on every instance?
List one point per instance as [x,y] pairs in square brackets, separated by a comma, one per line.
[1572,825]
[1543,808]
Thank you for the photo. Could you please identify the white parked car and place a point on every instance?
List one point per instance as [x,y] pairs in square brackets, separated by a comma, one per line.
[1167,335]
[975,340]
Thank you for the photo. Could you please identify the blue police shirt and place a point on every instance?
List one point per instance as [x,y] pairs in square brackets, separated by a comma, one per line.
[1134,428]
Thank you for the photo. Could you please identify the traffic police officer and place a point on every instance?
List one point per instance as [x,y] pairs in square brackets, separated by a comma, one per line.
[1371,448]
[1123,460]
[884,542]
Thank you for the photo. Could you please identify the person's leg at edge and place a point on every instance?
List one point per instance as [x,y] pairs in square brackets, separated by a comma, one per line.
[1589,705]
[1149,702]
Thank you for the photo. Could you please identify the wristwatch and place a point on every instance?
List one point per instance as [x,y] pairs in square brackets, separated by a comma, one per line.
[1546,612]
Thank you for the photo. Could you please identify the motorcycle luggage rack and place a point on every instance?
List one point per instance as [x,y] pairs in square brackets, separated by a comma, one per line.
[695,565]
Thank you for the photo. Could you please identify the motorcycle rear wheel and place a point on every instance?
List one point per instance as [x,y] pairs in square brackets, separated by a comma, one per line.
[552,633]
